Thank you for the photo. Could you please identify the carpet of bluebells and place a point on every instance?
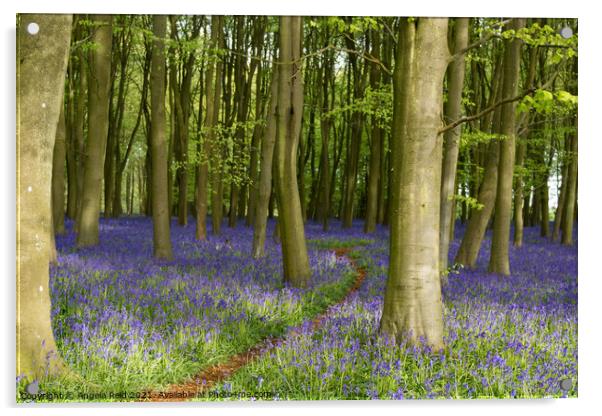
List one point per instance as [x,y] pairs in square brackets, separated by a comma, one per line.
[127,322]
[506,337]
[124,321]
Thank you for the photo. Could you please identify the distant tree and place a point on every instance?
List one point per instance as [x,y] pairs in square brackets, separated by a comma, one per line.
[98,124]
[161,237]
[452,112]
[499,261]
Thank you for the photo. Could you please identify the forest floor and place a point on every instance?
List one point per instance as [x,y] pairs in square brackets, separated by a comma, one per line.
[130,325]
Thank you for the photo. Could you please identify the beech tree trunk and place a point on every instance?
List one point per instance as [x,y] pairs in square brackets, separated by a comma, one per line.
[451,139]
[290,112]
[375,148]
[499,262]
[58,176]
[161,236]
[41,65]
[98,121]
[213,94]
[479,218]
[571,193]
[412,305]
[265,179]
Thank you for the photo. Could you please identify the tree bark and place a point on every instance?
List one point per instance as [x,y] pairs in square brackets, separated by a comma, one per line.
[498,261]
[217,151]
[412,303]
[375,148]
[98,120]
[562,197]
[161,236]
[571,193]
[58,176]
[265,179]
[356,120]
[290,111]
[451,139]
[477,224]
[41,65]
[213,94]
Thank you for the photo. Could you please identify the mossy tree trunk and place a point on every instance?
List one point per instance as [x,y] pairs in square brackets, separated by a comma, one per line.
[499,261]
[264,191]
[161,237]
[58,176]
[41,65]
[412,304]
[375,148]
[98,124]
[290,111]
[451,139]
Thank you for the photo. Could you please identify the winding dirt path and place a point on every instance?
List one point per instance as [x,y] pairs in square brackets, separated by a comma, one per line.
[204,381]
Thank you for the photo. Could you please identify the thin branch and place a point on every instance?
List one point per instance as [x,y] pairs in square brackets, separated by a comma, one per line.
[496,105]
[478,43]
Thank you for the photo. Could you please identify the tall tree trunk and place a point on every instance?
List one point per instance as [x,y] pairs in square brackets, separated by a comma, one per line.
[498,261]
[290,111]
[451,139]
[571,192]
[356,127]
[521,149]
[412,304]
[58,176]
[217,151]
[98,121]
[41,64]
[562,197]
[477,224]
[265,178]
[375,152]
[258,128]
[213,94]
[323,208]
[161,236]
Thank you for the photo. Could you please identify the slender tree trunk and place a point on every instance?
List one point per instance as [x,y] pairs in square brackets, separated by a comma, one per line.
[41,65]
[213,94]
[58,176]
[356,120]
[290,111]
[98,121]
[265,178]
[451,139]
[498,261]
[323,208]
[518,196]
[412,304]
[257,131]
[521,149]
[479,218]
[571,193]
[217,165]
[562,197]
[161,236]
[375,152]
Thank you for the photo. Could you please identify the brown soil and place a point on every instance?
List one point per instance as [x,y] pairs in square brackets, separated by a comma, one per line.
[203,382]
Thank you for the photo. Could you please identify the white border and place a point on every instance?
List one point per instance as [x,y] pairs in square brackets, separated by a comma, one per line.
[589,191]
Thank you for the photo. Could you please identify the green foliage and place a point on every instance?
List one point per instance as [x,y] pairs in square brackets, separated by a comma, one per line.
[547,102]
[470,202]
[376,103]
[475,137]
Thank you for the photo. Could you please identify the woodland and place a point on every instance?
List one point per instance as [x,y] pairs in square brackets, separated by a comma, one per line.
[296,207]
